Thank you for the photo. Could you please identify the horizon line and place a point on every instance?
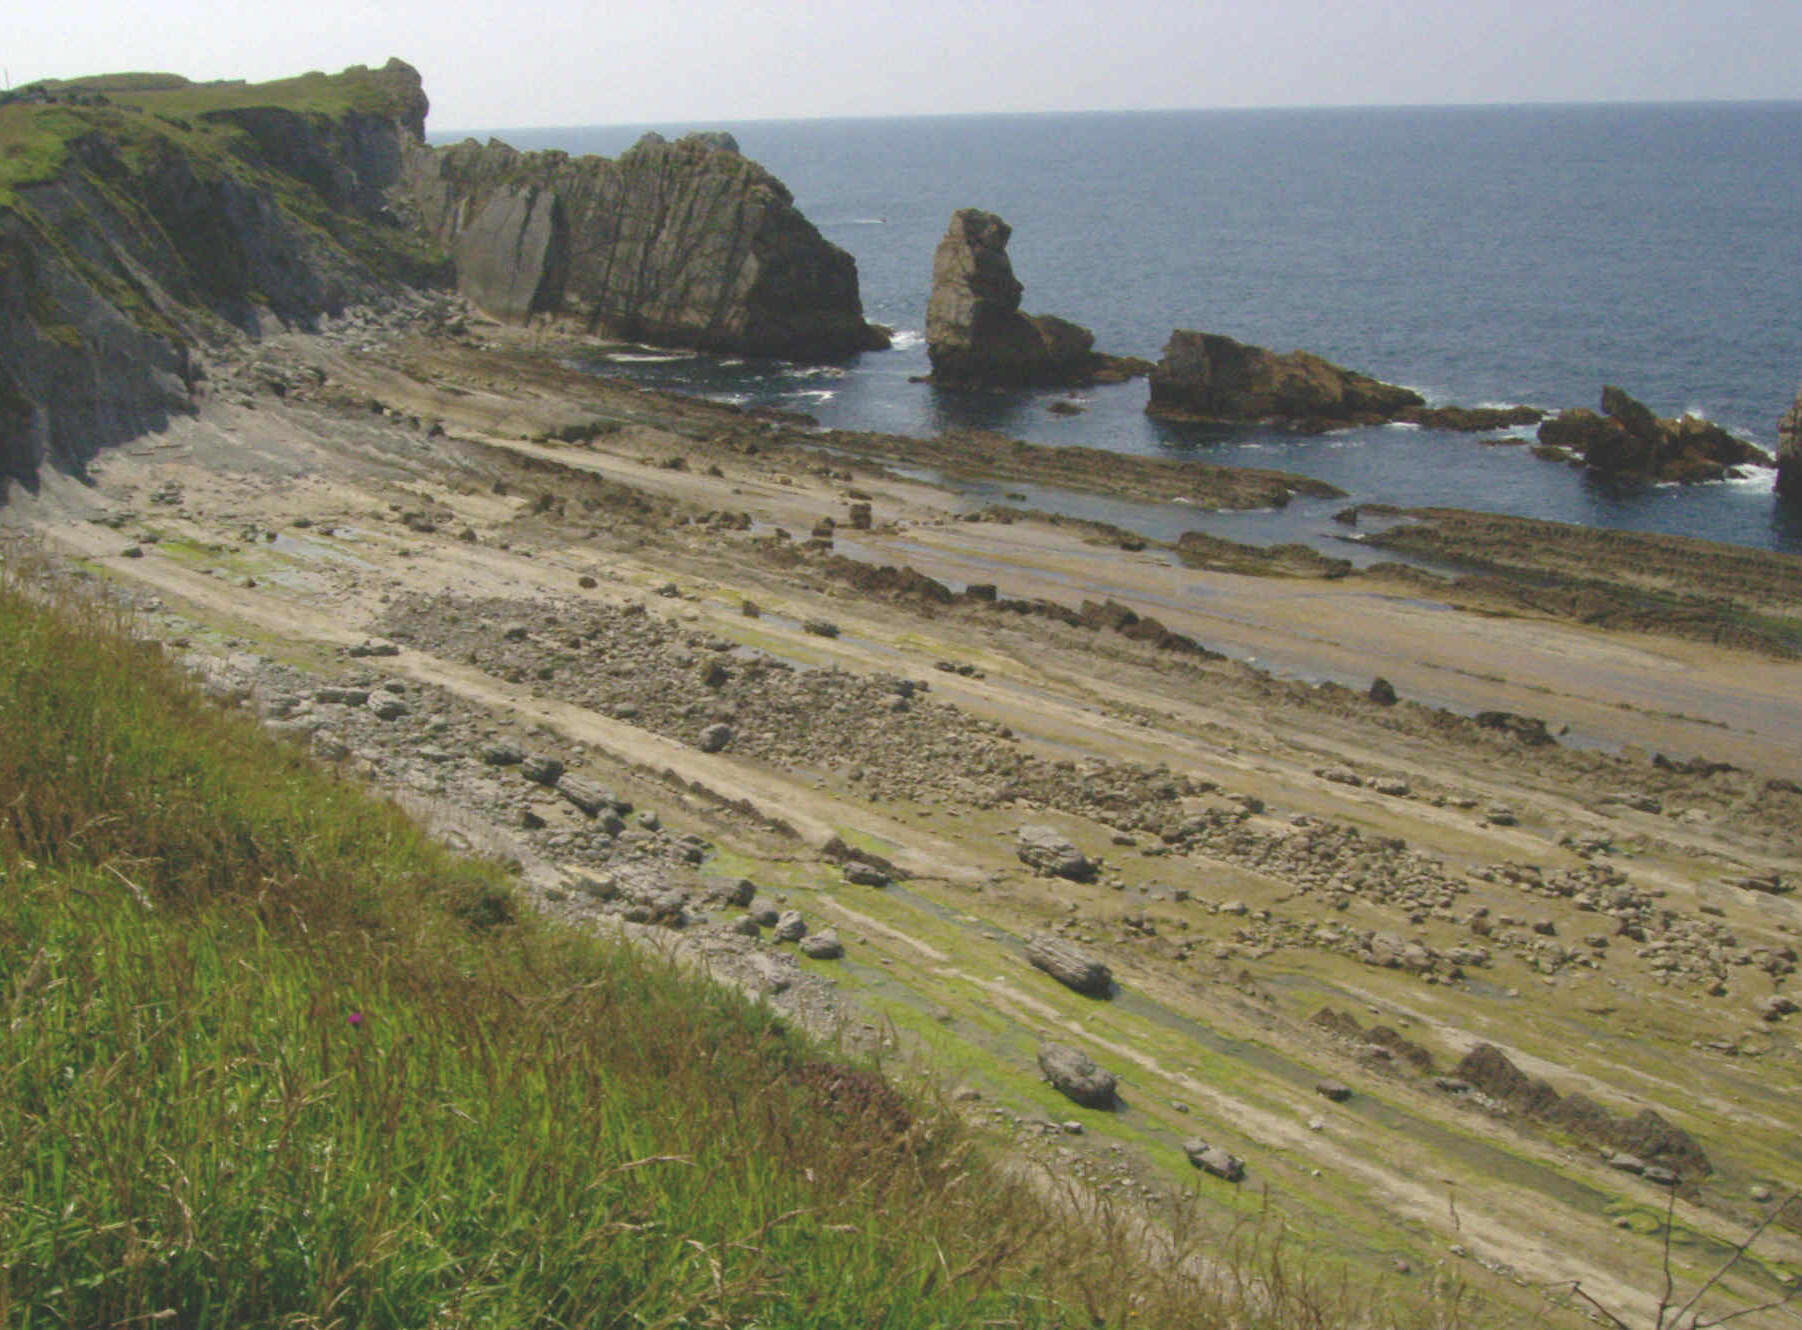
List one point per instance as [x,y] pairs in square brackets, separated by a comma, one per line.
[1536,104]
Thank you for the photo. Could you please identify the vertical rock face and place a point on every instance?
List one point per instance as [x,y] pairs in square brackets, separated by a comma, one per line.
[976,335]
[686,243]
[1789,453]
[1205,376]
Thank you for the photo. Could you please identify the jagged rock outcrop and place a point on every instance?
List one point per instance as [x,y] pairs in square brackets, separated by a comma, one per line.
[1789,453]
[155,234]
[976,335]
[1212,378]
[1628,441]
[684,244]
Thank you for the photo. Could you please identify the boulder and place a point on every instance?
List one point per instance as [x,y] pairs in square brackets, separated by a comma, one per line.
[1626,440]
[686,243]
[1789,453]
[1048,851]
[976,335]
[1073,1072]
[1069,964]
[1209,377]
[1215,1160]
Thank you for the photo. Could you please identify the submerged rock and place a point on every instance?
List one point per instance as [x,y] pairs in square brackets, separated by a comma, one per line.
[1208,377]
[976,335]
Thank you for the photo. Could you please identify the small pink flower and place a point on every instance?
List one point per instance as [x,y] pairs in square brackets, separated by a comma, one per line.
[354,1019]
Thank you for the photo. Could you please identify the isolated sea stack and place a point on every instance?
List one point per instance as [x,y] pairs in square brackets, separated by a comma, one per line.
[1211,378]
[681,244]
[976,335]
[1626,440]
[1789,453]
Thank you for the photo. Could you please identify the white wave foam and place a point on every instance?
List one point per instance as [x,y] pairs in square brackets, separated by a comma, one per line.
[906,339]
[1403,425]
[816,394]
[1758,479]
[730,399]
[649,357]
[817,372]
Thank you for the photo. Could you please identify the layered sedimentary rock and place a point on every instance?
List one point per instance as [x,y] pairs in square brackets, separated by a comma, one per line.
[1628,441]
[976,335]
[155,233]
[1789,453]
[686,244]
[1209,377]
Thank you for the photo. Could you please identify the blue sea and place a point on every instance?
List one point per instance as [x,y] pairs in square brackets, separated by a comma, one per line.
[1480,255]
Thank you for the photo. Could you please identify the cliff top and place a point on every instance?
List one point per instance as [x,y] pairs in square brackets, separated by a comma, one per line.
[39,121]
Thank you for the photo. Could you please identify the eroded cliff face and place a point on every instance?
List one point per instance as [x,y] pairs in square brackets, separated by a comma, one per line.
[157,233]
[686,244]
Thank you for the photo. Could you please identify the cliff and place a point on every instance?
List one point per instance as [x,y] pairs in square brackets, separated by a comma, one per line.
[686,243]
[976,334]
[144,216]
[1208,377]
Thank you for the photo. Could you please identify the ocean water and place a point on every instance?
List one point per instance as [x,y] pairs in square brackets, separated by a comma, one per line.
[1478,254]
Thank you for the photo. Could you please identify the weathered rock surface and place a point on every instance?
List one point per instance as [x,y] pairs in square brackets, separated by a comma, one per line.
[976,334]
[1627,440]
[1209,377]
[1073,1072]
[1214,1159]
[1789,453]
[1069,964]
[1047,850]
[686,243]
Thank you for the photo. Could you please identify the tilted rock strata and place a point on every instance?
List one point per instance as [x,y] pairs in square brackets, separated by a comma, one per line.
[686,244]
[1627,440]
[1789,452]
[1209,377]
[159,234]
[976,335]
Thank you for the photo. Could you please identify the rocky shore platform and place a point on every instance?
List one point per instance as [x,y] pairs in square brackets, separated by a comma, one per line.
[1444,908]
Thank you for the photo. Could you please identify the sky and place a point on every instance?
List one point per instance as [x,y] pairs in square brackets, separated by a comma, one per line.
[490,64]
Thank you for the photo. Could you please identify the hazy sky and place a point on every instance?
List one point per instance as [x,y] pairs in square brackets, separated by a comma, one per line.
[489,64]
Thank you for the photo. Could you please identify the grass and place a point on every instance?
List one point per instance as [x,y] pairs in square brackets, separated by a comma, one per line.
[268,1056]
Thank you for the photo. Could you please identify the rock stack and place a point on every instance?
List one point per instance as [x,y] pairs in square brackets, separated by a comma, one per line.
[1789,453]
[976,335]
[1627,440]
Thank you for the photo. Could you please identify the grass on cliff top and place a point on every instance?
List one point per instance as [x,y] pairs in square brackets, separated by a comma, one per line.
[268,1056]
[34,136]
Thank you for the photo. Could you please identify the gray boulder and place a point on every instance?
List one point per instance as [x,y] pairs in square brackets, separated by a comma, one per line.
[1073,1073]
[1069,964]
[714,738]
[1214,1159]
[1047,850]
[822,946]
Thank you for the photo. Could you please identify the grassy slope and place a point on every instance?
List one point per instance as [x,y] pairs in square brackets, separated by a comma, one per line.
[267,1055]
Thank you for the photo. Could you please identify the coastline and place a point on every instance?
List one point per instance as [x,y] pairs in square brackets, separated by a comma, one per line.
[623,531]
